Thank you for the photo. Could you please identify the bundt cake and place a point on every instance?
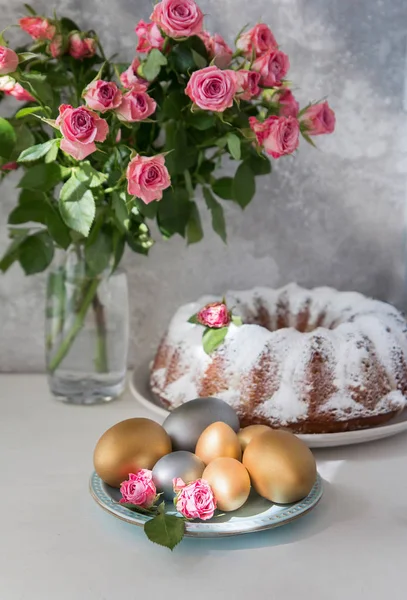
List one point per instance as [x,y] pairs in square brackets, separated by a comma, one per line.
[312,361]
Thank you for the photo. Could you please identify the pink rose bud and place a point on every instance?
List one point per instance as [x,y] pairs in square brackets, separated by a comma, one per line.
[272,66]
[278,135]
[258,40]
[178,18]
[38,28]
[118,136]
[8,60]
[102,95]
[56,46]
[11,166]
[149,37]
[319,119]
[139,489]
[247,84]
[80,128]
[289,106]
[136,105]
[196,501]
[9,86]
[81,48]
[215,315]
[212,89]
[217,49]
[147,177]
[130,78]
[178,484]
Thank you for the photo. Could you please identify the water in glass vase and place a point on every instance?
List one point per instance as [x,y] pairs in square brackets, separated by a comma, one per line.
[87,329]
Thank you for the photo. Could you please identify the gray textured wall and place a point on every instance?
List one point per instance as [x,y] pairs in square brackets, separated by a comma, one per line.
[333,216]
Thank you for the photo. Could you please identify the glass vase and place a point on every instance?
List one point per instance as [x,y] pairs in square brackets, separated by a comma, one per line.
[87,330]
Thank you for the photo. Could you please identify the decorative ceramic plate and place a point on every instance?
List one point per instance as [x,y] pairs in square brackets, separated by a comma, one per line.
[140,388]
[257,514]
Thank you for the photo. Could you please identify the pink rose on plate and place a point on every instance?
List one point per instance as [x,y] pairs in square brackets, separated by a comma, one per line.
[149,37]
[195,500]
[10,87]
[277,135]
[139,489]
[136,105]
[212,89]
[217,49]
[258,40]
[8,60]
[102,95]
[130,78]
[147,177]
[215,315]
[81,48]
[38,27]
[11,166]
[247,84]
[178,18]
[272,66]
[56,47]
[319,119]
[80,128]
[289,106]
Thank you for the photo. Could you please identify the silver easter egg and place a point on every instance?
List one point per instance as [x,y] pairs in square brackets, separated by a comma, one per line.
[177,464]
[186,423]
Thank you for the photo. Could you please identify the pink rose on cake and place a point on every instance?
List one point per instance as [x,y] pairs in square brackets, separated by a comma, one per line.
[195,500]
[139,489]
[214,315]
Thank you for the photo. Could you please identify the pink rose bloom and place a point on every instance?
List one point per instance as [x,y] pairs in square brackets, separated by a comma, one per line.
[289,106]
[212,89]
[129,77]
[102,95]
[136,105]
[196,500]
[38,28]
[11,166]
[56,46]
[149,37]
[215,315]
[147,177]
[9,86]
[278,135]
[178,18]
[258,40]
[81,48]
[139,489]
[8,60]
[319,119]
[217,49]
[247,84]
[272,66]
[80,128]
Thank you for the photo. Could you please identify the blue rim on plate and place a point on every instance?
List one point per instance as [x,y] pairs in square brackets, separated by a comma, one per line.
[256,515]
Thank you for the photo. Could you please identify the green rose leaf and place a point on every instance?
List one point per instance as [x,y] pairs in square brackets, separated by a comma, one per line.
[36,152]
[244,185]
[120,211]
[152,66]
[36,253]
[52,153]
[25,139]
[174,103]
[199,60]
[87,174]
[147,210]
[27,111]
[12,253]
[194,319]
[57,228]
[260,165]
[77,205]
[30,211]
[218,217]
[174,211]
[194,231]
[165,530]
[223,188]
[36,84]
[236,320]
[28,196]
[212,338]
[234,145]
[8,138]
[42,177]
[99,253]
[201,120]
[119,245]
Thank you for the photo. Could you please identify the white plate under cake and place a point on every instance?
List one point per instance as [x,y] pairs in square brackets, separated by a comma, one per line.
[313,361]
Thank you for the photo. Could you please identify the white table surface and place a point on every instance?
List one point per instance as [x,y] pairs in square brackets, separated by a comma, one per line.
[56,543]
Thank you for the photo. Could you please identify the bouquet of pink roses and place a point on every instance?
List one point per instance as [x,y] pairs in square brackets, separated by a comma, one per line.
[104,147]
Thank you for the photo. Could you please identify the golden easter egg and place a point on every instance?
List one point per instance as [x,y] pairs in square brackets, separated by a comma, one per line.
[129,446]
[281,467]
[230,483]
[216,441]
[248,433]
